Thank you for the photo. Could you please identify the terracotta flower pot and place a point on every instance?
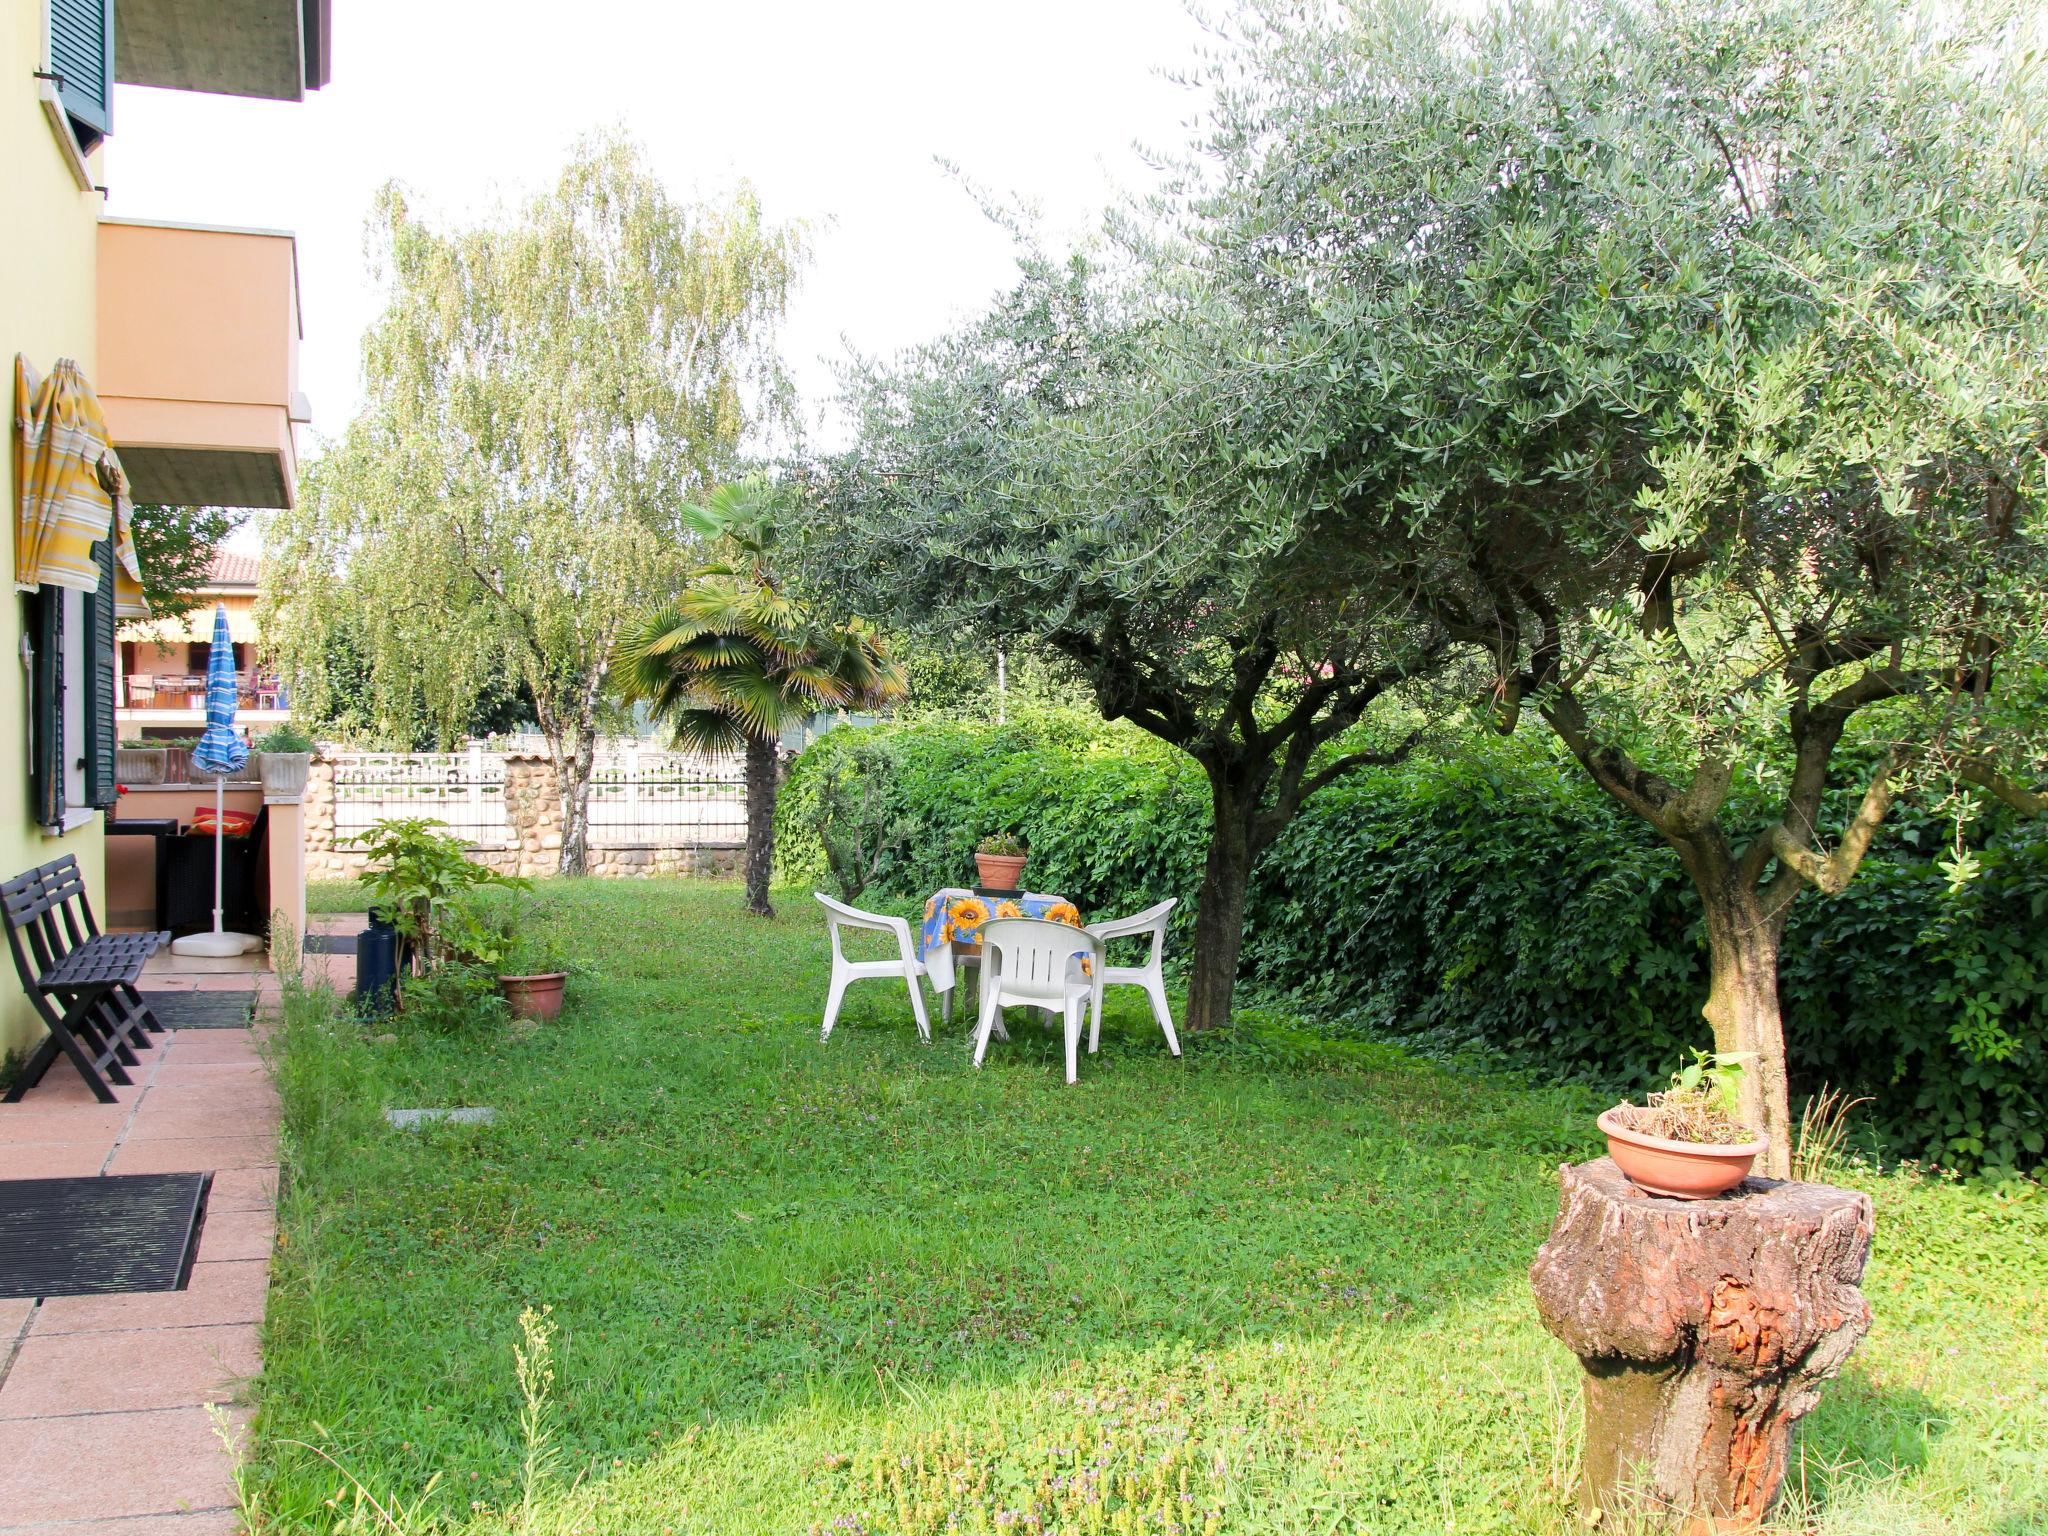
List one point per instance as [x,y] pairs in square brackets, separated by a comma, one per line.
[1001,871]
[537,997]
[1683,1170]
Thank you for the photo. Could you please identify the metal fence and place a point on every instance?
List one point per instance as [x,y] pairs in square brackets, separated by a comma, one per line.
[640,797]
[466,790]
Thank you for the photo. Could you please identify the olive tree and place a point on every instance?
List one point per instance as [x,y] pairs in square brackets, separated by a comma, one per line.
[1071,472]
[1691,358]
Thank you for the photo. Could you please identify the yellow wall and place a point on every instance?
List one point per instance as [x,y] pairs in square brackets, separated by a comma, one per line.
[48,310]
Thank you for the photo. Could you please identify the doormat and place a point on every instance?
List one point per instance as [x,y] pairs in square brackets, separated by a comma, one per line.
[100,1236]
[202,1010]
[331,943]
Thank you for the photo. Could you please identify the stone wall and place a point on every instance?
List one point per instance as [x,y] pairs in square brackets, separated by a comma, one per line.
[533,809]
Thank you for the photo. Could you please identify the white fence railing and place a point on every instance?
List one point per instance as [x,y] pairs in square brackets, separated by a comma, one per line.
[639,796]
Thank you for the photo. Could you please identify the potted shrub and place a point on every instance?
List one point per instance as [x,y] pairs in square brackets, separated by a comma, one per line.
[1687,1141]
[531,975]
[1000,859]
[284,754]
[507,939]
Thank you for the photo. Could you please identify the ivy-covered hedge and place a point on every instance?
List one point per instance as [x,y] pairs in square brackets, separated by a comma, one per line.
[1500,900]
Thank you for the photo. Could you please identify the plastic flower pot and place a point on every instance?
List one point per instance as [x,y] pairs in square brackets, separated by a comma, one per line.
[1682,1170]
[1001,871]
[537,997]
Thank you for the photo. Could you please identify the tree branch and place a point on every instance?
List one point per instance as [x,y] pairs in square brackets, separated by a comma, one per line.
[1980,772]
[1830,874]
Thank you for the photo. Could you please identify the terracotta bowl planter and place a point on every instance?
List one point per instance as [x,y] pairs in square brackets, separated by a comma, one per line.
[1001,871]
[1683,1170]
[537,997]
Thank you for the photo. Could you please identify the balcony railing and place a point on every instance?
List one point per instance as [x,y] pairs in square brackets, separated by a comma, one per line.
[252,691]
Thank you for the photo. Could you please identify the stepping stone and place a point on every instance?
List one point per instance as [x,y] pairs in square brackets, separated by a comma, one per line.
[413,1119]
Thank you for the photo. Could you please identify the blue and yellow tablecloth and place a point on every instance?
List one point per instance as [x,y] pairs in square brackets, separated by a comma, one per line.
[955,917]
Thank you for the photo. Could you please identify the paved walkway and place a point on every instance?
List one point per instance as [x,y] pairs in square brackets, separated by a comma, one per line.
[104,1428]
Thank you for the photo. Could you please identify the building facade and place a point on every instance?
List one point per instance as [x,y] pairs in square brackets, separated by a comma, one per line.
[161,693]
[176,345]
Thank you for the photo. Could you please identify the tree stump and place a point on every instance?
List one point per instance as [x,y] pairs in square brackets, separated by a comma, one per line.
[1705,1327]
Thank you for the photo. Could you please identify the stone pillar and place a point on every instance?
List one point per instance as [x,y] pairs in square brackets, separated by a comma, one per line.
[533,813]
[323,860]
[1706,1328]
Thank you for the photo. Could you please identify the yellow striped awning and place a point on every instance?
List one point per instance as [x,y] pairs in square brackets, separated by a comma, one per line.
[73,491]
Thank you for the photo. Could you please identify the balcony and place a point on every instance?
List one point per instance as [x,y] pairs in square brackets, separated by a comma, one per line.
[198,361]
[276,49]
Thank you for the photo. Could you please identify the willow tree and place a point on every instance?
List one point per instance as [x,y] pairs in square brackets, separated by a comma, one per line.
[1695,361]
[545,390]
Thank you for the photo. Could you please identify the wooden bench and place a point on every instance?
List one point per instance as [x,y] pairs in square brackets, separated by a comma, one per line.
[63,959]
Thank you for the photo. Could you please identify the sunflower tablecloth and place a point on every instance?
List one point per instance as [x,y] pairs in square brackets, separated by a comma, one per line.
[955,917]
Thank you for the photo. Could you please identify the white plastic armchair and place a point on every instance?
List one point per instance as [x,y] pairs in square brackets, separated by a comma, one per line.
[906,967]
[1151,976]
[1029,962]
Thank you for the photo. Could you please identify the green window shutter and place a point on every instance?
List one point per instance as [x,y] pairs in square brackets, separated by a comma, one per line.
[102,736]
[82,59]
[46,684]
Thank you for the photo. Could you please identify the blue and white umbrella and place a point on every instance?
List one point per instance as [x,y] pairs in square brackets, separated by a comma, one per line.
[220,752]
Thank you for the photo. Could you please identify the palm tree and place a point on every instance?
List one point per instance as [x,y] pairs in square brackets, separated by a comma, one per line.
[733,659]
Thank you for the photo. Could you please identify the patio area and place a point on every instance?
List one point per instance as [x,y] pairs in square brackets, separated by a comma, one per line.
[124,1385]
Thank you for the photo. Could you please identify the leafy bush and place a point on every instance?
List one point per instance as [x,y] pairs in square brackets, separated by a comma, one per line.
[422,879]
[1497,899]
[284,738]
[452,999]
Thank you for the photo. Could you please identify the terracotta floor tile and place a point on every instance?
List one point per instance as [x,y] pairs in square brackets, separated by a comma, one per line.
[219,1522]
[226,1292]
[163,1462]
[213,1045]
[237,1235]
[194,1154]
[118,1373]
[224,1073]
[53,1159]
[175,1121]
[243,1189]
[63,1087]
[13,1313]
[68,1122]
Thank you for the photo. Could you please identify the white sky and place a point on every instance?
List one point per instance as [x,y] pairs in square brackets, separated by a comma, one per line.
[835,109]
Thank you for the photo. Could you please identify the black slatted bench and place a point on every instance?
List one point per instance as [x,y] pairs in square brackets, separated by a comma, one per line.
[64,960]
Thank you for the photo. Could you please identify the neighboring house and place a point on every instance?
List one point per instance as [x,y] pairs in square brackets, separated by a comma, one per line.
[162,686]
[163,353]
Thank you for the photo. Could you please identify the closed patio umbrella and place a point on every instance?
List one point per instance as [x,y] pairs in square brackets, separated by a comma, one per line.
[220,753]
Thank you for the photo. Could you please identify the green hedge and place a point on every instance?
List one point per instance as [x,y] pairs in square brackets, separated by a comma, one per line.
[1499,900]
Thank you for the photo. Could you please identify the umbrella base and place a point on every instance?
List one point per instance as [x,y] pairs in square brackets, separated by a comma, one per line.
[216,945]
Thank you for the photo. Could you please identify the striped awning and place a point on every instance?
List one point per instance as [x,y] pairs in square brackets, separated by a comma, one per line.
[73,493]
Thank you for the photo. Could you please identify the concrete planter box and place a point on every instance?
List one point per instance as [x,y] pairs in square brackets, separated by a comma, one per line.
[284,774]
[140,765]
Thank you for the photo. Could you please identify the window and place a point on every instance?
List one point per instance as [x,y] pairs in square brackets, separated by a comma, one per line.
[80,56]
[72,735]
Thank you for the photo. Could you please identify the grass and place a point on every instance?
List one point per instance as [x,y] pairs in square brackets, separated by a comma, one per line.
[860,1287]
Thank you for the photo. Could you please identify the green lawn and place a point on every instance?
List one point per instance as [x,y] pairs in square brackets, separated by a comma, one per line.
[861,1287]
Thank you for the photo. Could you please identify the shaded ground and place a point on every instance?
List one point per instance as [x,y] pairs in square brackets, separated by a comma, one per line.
[1274,1287]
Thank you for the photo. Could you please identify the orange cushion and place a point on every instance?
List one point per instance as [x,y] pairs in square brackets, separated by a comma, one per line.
[232,823]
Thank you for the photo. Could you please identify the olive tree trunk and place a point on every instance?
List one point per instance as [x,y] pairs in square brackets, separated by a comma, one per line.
[1234,847]
[763,783]
[1706,1329]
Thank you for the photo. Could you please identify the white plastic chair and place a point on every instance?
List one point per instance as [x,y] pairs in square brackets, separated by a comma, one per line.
[1028,962]
[907,966]
[1150,975]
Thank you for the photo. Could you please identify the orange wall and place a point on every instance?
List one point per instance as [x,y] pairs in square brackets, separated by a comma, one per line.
[197,314]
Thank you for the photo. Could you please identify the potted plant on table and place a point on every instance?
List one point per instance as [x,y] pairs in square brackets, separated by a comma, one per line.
[284,755]
[1687,1142]
[1000,860]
